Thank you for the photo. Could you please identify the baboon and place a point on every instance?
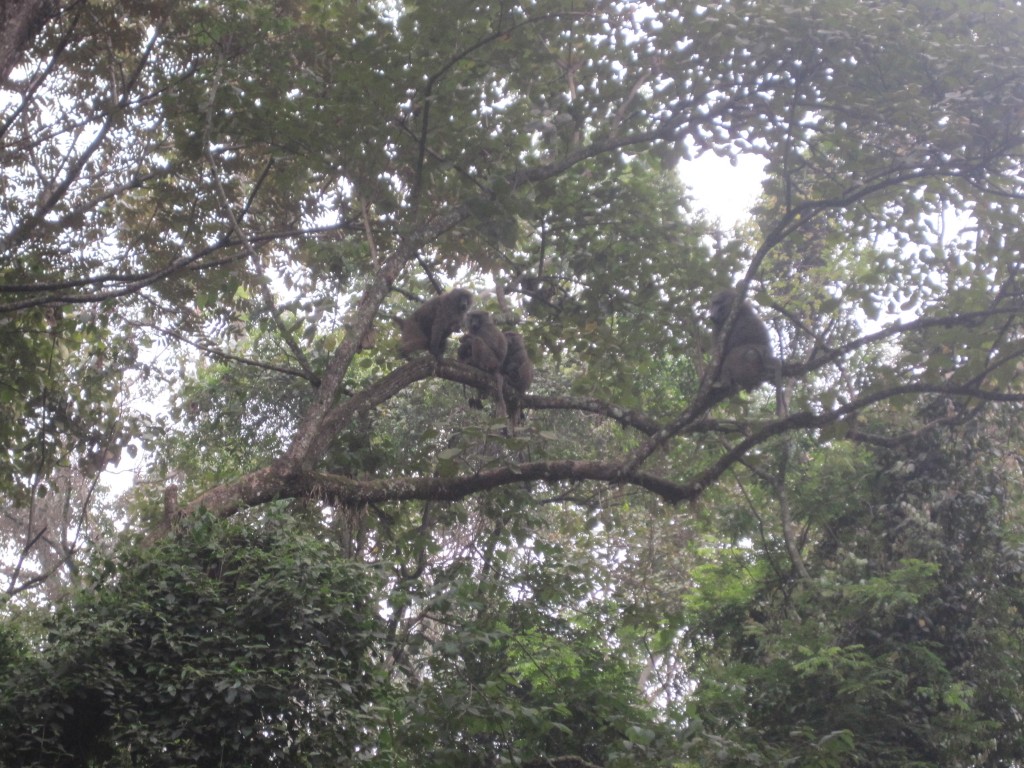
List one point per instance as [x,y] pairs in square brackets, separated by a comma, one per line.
[465,354]
[518,372]
[433,321]
[747,359]
[484,346]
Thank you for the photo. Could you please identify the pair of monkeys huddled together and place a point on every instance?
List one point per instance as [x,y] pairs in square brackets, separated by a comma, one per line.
[483,346]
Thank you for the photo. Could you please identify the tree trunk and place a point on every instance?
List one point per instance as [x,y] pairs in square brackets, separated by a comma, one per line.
[20,20]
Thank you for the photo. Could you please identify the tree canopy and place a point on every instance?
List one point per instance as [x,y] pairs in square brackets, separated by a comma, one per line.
[213,219]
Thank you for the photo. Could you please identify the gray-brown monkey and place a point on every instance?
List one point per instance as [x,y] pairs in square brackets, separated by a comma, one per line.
[484,346]
[747,359]
[433,321]
[518,372]
[516,369]
[465,354]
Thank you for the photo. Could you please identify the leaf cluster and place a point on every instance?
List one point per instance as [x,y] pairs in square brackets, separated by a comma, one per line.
[245,641]
[894,652]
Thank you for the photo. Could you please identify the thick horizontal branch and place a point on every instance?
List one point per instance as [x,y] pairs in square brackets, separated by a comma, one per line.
[809,420]
[708,396]
[288,479]
[275,483]
[338,489]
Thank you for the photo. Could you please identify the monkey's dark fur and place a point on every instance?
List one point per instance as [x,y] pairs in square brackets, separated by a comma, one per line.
[518,372]
[486,343]
[747,359]
[484,346]
[433,321]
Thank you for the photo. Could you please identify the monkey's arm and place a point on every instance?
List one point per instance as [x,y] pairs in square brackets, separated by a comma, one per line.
[438,338]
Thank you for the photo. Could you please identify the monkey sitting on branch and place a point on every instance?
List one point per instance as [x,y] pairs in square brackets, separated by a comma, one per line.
[484,346]
[518,372]
[433,321]
[747,359]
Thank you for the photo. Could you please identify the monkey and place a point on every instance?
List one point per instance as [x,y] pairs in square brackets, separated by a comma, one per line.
[484,346]
[747,359]
[518,372]
[487,343]
[464,355]
[433,321]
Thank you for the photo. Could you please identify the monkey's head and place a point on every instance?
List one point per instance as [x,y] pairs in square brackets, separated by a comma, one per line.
[721,306]
[463,300]
[476,320]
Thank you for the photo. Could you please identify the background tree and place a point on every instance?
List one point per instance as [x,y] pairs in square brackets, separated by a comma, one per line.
[135,673]
[212,215]
[893,652]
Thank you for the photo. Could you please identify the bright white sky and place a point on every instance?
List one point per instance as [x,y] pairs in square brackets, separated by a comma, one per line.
[726,192]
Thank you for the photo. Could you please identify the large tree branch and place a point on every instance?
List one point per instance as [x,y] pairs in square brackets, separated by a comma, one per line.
[312,436]
[289,478]
[20,21]
[708,395]
[276,482]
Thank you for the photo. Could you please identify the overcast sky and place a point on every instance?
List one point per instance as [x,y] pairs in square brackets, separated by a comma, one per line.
[725,191]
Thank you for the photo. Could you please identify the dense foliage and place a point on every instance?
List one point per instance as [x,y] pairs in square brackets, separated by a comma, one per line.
[901,647]
[239,528]
[241,643]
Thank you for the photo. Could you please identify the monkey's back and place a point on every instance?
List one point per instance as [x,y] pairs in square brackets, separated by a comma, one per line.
[517,368]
